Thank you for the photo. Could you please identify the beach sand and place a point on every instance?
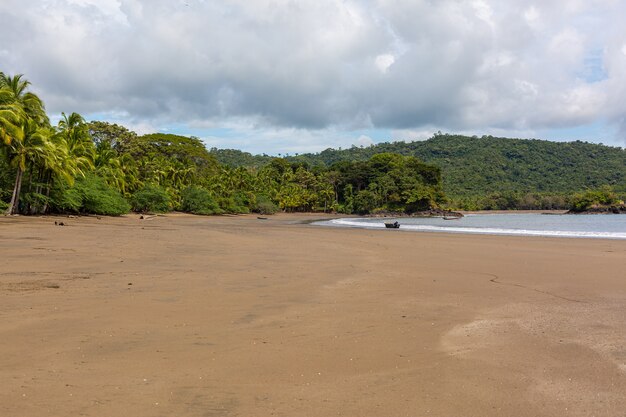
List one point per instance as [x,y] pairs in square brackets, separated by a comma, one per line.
[234,316]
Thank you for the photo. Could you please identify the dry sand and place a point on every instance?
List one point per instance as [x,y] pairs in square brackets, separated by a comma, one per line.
[236,316]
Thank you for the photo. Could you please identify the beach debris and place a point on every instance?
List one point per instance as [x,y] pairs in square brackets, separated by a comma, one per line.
[141,217]
[59,223]
[261,218]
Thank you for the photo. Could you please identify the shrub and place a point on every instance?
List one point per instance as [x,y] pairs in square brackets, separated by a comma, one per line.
[197,200]
[64,198]
[364,202]
[237,203]
[89,194]
[590,198]
[151,198]
[99,198]
[264,205]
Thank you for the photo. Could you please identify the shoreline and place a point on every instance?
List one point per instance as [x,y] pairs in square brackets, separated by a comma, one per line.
[188,315]
[496,227]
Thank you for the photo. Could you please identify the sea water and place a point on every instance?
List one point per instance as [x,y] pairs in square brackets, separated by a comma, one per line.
[604,226]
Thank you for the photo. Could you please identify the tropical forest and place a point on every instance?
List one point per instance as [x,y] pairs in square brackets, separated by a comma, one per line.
[95,167]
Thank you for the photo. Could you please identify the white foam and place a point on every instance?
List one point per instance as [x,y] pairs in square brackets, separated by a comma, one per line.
[483,231]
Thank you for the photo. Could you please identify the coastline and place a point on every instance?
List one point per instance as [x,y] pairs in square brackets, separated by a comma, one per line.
[243,316]
[537,224]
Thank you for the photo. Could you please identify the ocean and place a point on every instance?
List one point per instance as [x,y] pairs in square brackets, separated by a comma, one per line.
[567,226]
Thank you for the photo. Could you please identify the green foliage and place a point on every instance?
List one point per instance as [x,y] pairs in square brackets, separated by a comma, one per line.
[511,200]
[111,135]
[187,151]
[198,200]
[89,194]
[365,202]
[237,203]
[264,205]
[24,133]
[388,182]
[475,168]
[604,196]
[235,158]
[151,198]
[65,198]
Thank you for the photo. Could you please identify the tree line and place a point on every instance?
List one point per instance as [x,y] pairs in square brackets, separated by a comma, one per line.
[502,173]
[97,167]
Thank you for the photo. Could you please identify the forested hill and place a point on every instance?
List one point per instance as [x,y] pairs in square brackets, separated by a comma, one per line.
[235,158]
[474,166]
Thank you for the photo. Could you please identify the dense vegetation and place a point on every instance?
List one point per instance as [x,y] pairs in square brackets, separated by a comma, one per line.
[498,173]
[598,200]
[104,168]
[235,158]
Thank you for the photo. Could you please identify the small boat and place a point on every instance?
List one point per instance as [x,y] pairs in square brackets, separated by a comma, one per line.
[452,218]
[394,225]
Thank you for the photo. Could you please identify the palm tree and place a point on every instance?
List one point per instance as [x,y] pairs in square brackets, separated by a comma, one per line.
[10,117]
[117,170]
[15,91]
[11,113]
[74,132]
[21,115]
[31,146]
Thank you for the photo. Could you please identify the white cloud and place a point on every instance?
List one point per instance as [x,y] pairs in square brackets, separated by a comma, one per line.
[531,15]
[331,66]
[364,140]
[484,11]
[411,135]
[383,62]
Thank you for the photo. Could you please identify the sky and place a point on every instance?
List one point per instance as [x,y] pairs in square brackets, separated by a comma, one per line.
[294,76]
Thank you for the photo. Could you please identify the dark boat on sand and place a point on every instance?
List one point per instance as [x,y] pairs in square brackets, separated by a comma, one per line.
[394,225]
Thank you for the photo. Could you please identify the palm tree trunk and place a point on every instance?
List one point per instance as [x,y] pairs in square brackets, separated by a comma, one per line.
[48,187]
[30,209]
[16,192]
[39,187]
[30,178]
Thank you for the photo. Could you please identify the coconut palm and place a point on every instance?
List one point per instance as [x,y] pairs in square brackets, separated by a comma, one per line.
[10,118]
[15,92]
[31,147]
[74,132]
[11,113]
[22,114]
[118,171]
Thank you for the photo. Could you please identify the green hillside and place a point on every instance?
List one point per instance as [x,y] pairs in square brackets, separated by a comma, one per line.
[473,166]
[235,158]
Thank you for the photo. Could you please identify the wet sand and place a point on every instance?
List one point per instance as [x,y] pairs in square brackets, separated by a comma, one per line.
[236,316]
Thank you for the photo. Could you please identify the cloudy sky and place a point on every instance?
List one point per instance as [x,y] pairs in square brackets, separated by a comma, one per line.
[302,75]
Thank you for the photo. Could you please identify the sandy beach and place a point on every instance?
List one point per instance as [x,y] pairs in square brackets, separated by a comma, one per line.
[183,315]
